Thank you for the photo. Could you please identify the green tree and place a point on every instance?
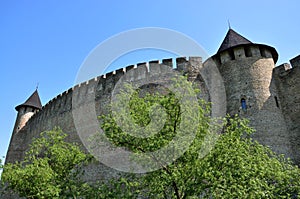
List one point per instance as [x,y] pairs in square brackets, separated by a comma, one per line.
[51,169]
[236,167]
[239,167]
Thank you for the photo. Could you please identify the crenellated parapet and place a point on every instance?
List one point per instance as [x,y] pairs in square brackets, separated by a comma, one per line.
[295,61]
[62,102]
[242,52]
[286,70]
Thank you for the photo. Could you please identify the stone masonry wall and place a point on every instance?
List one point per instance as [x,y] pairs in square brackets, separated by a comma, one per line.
[287,81]
[59,111]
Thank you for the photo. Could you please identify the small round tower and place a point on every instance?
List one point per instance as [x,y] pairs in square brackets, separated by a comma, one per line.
[246,69]
[26,110]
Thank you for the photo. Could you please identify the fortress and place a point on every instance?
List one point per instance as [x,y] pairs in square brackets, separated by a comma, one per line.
[255,88]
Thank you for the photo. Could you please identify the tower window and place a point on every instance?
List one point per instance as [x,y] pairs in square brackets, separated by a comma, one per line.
[248,52]
[276,101]
[231,54]
[262,52]
[243,104]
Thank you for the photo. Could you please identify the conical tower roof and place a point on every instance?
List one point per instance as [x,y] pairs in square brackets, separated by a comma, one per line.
[33,101]
[232,39]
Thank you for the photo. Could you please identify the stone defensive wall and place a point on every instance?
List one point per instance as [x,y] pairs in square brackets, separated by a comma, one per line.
[97,92]
[287,80]
[58,112]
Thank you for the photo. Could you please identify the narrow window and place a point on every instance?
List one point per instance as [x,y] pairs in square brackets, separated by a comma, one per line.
[243,104]
[276,100]
[262,51]
[231,54]
[248,51]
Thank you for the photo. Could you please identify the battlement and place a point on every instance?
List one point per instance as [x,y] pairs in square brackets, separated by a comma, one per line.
[245,51]
[63,102]
[295,62]
[282,69]
[285,69]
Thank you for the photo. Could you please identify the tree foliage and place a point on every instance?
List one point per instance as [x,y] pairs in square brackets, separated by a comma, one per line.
[51,168]
[236,167]
[240,167]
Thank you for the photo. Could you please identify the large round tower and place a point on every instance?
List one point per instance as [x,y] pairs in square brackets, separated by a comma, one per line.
[247,68]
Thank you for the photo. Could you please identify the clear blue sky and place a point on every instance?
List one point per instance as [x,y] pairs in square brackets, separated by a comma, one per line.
[47,41]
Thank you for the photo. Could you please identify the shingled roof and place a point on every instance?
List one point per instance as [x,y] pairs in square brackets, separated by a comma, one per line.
[33,101]
[232,39]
